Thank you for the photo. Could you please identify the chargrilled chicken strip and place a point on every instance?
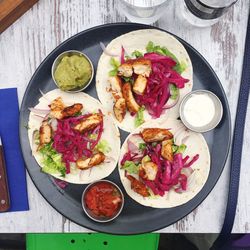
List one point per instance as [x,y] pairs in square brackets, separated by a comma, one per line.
[72,110]
[89,123]
[45,133]
[131,103]
[87,163]
[142,67]
[126,69]
[56,108]
[140,85]
[57,104]
[148,171]
[120,109]
[166,150]
[116,86]
[59,111]
[139,66]
[156,134]
[138,186]
[96,159]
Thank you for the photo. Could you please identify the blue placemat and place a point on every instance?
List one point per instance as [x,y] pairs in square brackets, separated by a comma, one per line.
[9,131]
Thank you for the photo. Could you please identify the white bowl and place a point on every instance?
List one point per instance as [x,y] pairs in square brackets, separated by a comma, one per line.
[216,118]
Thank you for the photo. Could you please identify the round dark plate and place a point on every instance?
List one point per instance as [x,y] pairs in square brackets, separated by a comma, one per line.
[135,218]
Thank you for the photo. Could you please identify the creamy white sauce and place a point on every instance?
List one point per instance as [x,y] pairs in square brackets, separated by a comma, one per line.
[199,110]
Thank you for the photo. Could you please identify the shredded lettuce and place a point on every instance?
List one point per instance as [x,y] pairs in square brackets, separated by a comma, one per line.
[150,47]
[103,146]
[179,67]
[139,119]
[174,91]
[142,146]
[128,79]
[179,149]
[131,167]
[115,64]
[137,54]
[52,160]
[174,148]
[160,50]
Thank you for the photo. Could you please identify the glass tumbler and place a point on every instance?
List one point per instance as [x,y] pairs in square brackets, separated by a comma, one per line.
[204,13]
[142,11]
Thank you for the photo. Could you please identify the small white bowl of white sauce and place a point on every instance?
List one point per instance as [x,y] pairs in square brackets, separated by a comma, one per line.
[201,110]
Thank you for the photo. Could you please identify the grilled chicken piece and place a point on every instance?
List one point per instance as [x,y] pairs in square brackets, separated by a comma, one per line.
[142,67]
[56,108]
[96,159]
[138,186]
[139,66]
[131,103]
[120,109]
[87,163]
[116,86]
[140,85]
[57,104]
[45,133]
[72,110]
[148,171]
[59,111]
[166,150]
[89,123]
[126,69]
[156,134]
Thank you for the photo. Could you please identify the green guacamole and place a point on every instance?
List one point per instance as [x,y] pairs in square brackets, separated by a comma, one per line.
[73,72]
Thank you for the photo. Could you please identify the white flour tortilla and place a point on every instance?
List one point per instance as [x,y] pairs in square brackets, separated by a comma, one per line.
[110,133]
[138,40]
[196,144]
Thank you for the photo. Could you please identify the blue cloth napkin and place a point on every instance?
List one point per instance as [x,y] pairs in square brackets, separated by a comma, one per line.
[9,131]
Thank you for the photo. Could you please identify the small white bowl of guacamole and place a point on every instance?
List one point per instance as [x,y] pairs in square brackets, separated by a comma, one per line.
[72,71]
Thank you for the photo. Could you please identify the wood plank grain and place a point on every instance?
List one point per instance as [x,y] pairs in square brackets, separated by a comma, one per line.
[11,10]
[7,6]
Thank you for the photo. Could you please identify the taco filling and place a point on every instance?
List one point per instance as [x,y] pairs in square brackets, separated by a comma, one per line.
[149,81]
[70,137]
[154,164]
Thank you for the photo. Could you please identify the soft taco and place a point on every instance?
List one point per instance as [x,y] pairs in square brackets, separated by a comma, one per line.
[163,165]
[143,75]
[72,137]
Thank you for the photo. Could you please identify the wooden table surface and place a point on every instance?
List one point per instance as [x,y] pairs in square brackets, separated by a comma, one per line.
[28,41]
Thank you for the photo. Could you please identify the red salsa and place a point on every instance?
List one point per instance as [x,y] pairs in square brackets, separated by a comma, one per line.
[103,199]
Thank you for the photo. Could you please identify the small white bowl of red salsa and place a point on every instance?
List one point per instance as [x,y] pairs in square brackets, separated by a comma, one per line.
[102,201]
